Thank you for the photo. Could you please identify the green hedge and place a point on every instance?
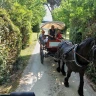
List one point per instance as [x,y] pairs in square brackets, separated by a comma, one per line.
[91,72]
[22,17]
[10,45]
[36,28]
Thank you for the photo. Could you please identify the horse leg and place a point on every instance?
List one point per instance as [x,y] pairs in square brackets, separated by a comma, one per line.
[66,83]
[63,69]
[80,90]
[58,68]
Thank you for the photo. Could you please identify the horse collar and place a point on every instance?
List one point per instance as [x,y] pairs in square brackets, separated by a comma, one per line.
[77,63]
[75,48]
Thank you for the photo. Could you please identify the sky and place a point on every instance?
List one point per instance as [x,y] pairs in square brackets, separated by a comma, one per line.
[48,16]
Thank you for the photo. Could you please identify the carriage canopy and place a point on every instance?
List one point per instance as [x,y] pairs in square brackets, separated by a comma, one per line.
[57,25]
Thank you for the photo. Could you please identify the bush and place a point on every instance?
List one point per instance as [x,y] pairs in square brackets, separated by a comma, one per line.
[91,72]
[22,17]
[10,44]
[36,28]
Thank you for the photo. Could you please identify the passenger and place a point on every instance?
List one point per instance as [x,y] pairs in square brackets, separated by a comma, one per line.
[52,33]
[42,38]
[59,35]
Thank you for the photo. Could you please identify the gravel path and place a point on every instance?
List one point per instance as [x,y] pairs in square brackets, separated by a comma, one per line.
[43,80]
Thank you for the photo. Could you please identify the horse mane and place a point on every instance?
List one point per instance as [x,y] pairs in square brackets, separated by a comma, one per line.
[86,41]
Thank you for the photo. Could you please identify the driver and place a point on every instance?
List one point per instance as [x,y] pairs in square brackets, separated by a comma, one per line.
[52,32]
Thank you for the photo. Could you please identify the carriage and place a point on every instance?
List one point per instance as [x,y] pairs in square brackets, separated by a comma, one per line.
[50,48]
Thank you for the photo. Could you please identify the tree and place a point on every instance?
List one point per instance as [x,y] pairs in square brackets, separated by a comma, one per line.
[37,8]
[77,15]
[54,3]
[80,18]
[25,15]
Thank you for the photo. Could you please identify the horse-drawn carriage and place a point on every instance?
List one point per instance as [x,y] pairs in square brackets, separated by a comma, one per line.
[50,48]
[75,56]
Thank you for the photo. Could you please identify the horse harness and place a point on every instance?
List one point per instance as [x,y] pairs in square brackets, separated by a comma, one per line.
[75,53]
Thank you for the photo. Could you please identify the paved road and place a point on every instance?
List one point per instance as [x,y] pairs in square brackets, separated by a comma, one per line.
[45,81]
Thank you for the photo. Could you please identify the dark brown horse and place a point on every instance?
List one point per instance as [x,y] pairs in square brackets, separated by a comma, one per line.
[76,58]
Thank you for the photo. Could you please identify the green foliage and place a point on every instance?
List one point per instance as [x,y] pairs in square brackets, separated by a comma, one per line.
[80,17]
[10,44]
[91,72]
[90,31]
[36,28]
[37,8]
[22,18]
[25,14]
[60,13]
[77,16]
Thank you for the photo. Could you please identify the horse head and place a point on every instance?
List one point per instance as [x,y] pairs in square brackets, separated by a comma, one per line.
[93,51]
[85,49]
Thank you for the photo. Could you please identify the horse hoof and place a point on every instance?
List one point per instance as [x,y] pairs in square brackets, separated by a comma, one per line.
[66,84]
[80,93]
[58,69]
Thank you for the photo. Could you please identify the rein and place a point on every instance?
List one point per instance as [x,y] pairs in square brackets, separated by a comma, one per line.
[81,56]
[84,57]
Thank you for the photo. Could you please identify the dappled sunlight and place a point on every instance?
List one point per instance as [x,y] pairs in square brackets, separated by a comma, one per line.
[56,77]
[53,64]
[62,83]
[40,75]
[59,82]
[85,89]
[54,71]
[29,80]
[73,81]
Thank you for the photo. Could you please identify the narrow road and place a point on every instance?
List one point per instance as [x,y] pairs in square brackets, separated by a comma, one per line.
[43,80]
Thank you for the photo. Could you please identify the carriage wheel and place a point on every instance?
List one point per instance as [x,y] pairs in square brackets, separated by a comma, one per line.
[42,56]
